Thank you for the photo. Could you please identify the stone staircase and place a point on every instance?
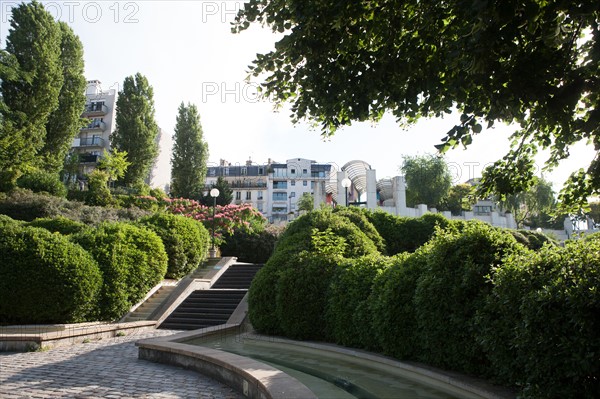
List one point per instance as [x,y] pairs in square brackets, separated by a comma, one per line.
[214,306]
[147,307]
[144,311]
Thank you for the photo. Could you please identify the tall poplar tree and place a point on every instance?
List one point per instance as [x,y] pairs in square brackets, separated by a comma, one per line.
[190,153]
[31,76]
[136,129]
[65,122]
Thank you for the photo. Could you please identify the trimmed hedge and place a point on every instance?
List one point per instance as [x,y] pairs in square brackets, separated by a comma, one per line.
[358,216]
[186,241]
[45,278]
[406,234]
[24,205]
[298,235]
[6,220]
[394,316]
[471,299]
[41,181]
[59,224]
[132,260]
[539,328]
[262,309]
[319,231]
[301,295]
[348,316]
[255,247]
[451,288]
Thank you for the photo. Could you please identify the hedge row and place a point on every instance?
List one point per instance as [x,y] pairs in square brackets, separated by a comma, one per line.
[322,232]
[251,247]
[25,205]
[471,299]
[186,241]
[90,273]
[44,277]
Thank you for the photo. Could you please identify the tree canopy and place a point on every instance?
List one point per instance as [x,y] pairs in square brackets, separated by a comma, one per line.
[31,79]
[306,202]
[531,207]
[190,153]
[428,180]
[535,64]
[65,121]
[136,129]
[459,198]
[225,193]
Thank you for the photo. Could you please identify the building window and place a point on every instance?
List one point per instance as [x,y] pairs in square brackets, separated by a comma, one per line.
[238,195]
[305,183]
[226,171]
[248,195]
[279,185]
[259,195]
[212,172]
[304,172]
[293,171]
[293,183]
[261,171]
[279,197]
[259,206]
[292,194]
[244,171]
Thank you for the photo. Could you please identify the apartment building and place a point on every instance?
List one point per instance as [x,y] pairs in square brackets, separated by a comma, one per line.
[94,138]
[273,188]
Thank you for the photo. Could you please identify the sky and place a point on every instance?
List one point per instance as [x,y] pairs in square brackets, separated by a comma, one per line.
[188,53]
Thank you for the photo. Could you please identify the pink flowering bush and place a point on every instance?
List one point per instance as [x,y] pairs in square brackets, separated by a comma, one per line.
[228,219]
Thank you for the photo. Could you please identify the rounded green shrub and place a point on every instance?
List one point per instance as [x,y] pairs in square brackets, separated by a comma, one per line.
[299,233]
[536,239]
[185,240]
[262,309]
[406,234]
[98,192]
[132,260]
[358,217]
[452,287]
[59,224]
[41,181]
[320,231]
[301,295]
[7,220]
[45,278]
[348,315]
[392,306]
[540,326]
[251,247]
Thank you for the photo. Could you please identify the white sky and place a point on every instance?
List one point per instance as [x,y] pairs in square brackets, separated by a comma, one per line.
[187,52]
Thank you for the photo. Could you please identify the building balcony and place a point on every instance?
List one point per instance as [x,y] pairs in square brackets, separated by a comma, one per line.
[94,110]
[95,126]
[89,158]
[248,184]
[89,142]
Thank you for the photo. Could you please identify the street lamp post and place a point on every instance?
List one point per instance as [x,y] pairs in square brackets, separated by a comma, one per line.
[214,193]
[346,183]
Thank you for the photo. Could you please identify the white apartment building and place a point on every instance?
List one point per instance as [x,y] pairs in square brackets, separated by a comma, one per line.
[273,188]
[94,138]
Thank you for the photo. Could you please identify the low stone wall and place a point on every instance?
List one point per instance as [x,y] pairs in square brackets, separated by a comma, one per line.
[254,379]
[30,338]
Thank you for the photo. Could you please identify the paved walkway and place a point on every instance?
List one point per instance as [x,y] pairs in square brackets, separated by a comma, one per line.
[108,368]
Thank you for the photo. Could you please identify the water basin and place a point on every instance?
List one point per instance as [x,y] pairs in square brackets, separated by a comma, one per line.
[334,372]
